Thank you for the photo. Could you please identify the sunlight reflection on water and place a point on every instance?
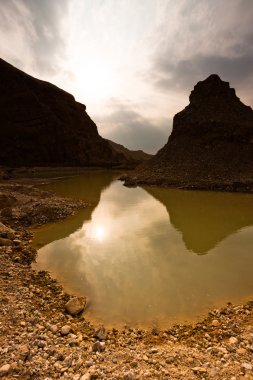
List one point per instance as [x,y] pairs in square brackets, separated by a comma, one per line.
[146,256]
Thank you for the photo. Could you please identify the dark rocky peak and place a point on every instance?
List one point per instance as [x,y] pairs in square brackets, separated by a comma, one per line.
[211,144]
[212,87]
[214,109]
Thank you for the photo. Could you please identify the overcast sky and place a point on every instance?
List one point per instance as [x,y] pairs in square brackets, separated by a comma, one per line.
[132,62]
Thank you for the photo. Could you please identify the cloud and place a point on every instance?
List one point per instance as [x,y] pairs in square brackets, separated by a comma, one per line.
[187,72]
[127,127]
[31,33]
[204,38]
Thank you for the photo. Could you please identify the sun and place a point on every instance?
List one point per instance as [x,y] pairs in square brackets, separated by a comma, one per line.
[96,79]
[99,233]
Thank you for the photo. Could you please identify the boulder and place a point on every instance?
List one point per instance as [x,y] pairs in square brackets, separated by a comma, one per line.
[75,305]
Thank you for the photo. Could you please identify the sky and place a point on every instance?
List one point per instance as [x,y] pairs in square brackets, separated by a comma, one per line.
[132,63]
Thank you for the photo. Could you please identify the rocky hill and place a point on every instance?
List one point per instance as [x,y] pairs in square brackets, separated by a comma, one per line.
[135,156]
[42,125]
[211,144]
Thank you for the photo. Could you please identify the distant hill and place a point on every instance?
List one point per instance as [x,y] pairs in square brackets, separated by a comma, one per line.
[211,144]
[42,125]
[131,155]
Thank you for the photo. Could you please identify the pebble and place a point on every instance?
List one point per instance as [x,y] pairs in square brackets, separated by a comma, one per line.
[5,369]
[98,346]
[86,376]
[153,351]
[246,366]
[199,370]
[54,329]
[241,351]
[233,340]
[24,352]
[65,330]
[215,322]
[129,376]
[101,333]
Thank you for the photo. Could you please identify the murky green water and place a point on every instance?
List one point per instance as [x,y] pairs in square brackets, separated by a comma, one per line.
[147,256]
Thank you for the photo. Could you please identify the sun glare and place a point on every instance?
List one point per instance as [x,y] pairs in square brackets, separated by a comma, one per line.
[96,80]
[99,233]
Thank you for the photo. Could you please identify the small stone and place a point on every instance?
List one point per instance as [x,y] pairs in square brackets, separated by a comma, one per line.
[215,322]
[5,369]
[59,357]
[6,232]
[41,344]
[129,376]
[65,330]
[75,305]
[241,351]
[153,350]
[24,352]
[86,376]
[213,372]
[101,333]
[246,366]
[250,348]
[97,347]
[54,329]
[6,242]
[89,363]
[233,340]
[17,241]
[199,370]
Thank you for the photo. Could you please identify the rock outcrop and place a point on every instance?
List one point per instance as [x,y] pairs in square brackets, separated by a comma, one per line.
[211,144]
[131,156]
[42,125]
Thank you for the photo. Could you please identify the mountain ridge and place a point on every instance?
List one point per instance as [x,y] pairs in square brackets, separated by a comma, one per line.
[43,125]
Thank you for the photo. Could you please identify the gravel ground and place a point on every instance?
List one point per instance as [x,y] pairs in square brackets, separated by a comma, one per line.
[39,339]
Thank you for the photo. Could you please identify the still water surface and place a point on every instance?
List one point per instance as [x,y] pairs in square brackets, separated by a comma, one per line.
[147,256]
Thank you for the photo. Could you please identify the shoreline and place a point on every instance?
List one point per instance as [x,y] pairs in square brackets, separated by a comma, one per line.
[34,345]
[230,187]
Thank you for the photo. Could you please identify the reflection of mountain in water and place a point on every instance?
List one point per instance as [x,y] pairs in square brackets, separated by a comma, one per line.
[205,218]
[88,187]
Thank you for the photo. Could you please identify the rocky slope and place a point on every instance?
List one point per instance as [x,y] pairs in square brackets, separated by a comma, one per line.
[135,156]
[211,145]
[42,125]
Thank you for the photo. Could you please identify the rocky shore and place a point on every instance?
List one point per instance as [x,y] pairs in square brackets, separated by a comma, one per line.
[39,339]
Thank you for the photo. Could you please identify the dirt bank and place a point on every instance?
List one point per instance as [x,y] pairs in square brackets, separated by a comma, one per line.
[39,340]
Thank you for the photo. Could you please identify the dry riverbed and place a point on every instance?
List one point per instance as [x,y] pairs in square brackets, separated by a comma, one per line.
[39,339]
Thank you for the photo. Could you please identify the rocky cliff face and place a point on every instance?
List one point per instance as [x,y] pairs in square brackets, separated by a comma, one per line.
[42,125]
[131,156]
[211,145]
